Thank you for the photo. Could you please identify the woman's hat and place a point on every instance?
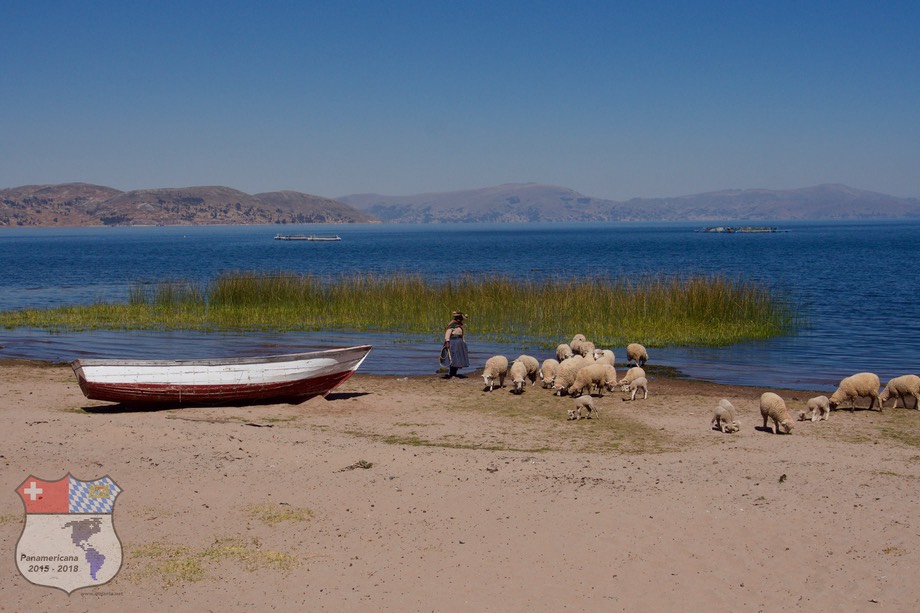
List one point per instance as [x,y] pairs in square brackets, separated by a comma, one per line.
[458,314]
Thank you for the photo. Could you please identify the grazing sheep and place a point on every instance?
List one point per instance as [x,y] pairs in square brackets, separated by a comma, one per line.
[773,407]
[864,384]
[563,352]
[611,376]
[586,404]
[816,409]
[533,367]
[548,372]
[496,368]
[575,345]
[518,374]
[636,353]
[604,356]
[586,349]
[633,373]
[590,376]
[725,418]
[639,383]
[566,373]
[901,388]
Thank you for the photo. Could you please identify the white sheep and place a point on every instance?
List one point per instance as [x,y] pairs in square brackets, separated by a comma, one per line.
[590,376]
[773,407]
[576,342]
[566,373]
[586,404]
[816,409]
[860,385]
[633,373]
[636,353]
[725,418]
[518,374]
[611,376]
[901,388]
[563,352]
[496,368]
[604,356]
[639,383]
[548,371]
[533,367]
[586,349]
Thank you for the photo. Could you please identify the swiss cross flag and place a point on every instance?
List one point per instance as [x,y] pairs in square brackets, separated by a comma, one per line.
[45,496]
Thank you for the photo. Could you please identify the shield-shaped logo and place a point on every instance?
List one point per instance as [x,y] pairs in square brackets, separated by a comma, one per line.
[69,540]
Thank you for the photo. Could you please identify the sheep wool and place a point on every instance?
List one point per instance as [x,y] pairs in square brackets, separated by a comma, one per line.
[518,374]
[636,353]
[773,407]
[533,367]
[604,356]
[563,352]
[633,373]
[590,376]
[496,368]
[639,383]
[901,388]
[548,372]
[584,405]
[816,409]
[565,374]
[860,385]
[725,418]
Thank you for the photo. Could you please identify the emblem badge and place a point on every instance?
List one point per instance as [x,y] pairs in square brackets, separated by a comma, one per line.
[69,540]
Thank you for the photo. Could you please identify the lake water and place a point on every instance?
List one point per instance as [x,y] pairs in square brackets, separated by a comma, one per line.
[855,283]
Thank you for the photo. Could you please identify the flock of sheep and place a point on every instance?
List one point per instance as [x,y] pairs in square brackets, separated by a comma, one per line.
[580,368]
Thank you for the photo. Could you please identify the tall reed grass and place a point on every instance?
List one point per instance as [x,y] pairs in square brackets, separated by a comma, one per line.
[709,311]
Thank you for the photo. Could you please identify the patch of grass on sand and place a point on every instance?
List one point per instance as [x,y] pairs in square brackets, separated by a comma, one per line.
[902,426]
[272,514]
[176,564]
[10,519]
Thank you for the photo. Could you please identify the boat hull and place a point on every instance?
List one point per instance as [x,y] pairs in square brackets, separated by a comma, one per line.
[280,378]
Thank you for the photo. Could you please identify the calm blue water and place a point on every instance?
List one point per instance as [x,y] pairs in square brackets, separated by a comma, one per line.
[856,284]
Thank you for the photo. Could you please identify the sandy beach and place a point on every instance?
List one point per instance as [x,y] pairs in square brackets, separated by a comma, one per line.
[425,494]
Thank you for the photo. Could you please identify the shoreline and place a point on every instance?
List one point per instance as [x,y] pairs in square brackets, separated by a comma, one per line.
[420,493]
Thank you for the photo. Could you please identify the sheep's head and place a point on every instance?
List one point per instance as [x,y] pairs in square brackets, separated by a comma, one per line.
[786,426]
[573,414]
[729,428]
[802,416]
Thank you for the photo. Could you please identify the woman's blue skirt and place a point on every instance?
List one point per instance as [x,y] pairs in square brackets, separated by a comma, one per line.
[456,355]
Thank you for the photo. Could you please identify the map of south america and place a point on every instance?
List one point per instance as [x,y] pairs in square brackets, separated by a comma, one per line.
[80,533]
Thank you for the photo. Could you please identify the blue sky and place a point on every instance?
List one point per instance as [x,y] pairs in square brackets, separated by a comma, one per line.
[612,99]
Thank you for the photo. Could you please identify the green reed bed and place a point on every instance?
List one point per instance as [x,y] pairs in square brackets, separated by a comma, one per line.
[658,312]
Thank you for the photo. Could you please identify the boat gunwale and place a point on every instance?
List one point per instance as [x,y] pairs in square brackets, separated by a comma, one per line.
[271,359]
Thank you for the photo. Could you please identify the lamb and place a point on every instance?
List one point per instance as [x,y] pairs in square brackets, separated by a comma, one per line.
[902,387]
[496,368]
[725,418]
[563,352]
[633,373]
[585,403]
[636,353]
[592,375]
[604,356]
[864,384]
[533,367]
[639,383]
[773,407]
[816,409]
[548,372]
[518,374]
[566,372]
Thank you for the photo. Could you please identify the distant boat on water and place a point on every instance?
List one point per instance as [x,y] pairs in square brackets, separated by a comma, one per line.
[741,229]
[307,237]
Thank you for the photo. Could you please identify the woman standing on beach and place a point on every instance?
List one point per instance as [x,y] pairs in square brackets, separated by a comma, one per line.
[454,354]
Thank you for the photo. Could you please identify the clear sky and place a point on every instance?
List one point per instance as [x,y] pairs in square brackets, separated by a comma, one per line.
[612,99]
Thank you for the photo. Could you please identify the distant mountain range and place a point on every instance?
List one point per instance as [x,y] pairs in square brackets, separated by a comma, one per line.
[527,202]
[81,204]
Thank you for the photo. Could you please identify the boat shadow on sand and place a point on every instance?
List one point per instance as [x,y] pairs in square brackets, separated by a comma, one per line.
[140,407]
